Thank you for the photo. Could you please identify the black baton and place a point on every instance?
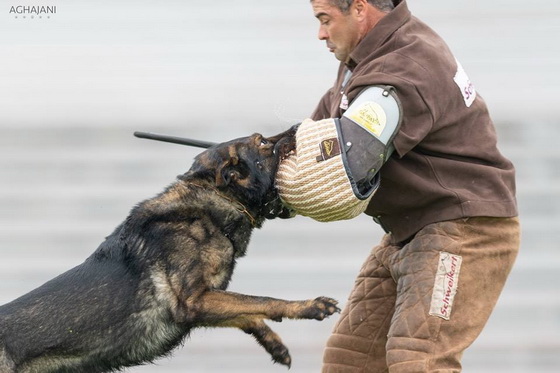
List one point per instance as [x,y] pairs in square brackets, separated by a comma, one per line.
[174,139]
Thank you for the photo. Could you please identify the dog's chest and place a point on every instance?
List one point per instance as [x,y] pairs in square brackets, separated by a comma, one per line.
[218,262]
[218,258]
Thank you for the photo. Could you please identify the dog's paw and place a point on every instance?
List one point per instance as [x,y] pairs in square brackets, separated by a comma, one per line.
[280,355]
[268,339]
[320,308]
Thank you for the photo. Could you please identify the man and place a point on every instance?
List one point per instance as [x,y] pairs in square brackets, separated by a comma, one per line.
[444,194]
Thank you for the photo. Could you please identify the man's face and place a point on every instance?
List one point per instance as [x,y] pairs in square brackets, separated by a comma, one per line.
[339,30]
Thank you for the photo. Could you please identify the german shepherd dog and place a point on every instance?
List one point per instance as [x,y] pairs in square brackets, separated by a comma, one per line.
[161,273]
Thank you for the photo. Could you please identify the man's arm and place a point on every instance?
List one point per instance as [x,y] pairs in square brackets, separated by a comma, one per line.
[334,172]
[322,109]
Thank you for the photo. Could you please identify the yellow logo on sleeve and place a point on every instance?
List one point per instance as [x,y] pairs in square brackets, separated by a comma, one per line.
[371,116]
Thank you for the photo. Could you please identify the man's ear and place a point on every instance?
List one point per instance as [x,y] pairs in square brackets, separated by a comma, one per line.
[359,7]
[226,172]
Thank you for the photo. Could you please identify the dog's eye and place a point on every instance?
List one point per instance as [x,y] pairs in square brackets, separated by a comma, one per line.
[264,141]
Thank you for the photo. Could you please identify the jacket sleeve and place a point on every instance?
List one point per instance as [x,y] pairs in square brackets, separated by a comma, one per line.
[322,110]
[418,118]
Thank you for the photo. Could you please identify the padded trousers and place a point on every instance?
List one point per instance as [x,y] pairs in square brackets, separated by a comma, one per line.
[389,323]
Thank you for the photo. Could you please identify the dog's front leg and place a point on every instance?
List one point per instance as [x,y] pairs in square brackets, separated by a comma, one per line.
[226,309]
[218,305]
[265,336]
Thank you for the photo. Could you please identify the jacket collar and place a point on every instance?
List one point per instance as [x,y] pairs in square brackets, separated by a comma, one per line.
[379,33]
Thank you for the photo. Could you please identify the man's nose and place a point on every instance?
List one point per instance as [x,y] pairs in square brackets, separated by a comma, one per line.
[323,35]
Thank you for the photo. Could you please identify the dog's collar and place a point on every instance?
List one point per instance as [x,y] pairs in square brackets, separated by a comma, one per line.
[238,205]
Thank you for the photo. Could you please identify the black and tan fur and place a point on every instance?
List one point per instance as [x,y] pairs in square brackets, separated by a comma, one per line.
[161,273]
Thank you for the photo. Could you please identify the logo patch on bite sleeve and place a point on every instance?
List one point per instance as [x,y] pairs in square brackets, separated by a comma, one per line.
[445,285]
[329,148]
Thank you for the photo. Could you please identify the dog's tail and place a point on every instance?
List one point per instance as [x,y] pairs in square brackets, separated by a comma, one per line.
[175,139]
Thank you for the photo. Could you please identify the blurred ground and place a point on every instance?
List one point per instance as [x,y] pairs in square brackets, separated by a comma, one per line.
[73,88]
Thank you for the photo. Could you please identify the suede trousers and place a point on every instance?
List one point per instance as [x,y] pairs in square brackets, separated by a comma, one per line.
[416,306]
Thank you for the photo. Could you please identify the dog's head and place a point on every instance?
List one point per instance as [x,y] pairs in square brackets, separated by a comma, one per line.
[244,169]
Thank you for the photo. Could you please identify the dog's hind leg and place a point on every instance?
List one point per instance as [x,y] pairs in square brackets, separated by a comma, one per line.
[265,336]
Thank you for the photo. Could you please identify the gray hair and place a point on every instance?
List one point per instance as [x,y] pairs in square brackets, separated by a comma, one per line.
[383,5]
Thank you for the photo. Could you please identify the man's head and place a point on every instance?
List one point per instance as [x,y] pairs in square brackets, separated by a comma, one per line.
[344,23]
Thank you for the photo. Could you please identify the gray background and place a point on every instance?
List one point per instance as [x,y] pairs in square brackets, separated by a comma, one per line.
[75,86]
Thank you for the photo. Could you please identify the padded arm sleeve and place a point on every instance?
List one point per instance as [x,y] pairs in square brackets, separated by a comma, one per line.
[334,172]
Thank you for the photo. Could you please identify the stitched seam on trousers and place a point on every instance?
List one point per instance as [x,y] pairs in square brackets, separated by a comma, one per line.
[343,365]
[340,364]
[390,314]
[426,361]
[411,361]
[382,262]
[346,335]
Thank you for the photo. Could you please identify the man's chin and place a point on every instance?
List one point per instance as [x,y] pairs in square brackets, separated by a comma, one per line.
[340,56]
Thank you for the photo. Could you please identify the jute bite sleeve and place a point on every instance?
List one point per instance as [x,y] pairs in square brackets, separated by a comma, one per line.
[316,181]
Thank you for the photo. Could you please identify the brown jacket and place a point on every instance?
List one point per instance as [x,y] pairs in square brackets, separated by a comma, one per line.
[446,163]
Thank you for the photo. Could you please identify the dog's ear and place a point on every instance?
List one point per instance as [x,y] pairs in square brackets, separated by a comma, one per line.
[201,168]
[226,172]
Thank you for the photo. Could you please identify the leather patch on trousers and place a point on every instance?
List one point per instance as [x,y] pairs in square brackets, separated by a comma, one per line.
[445,285]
